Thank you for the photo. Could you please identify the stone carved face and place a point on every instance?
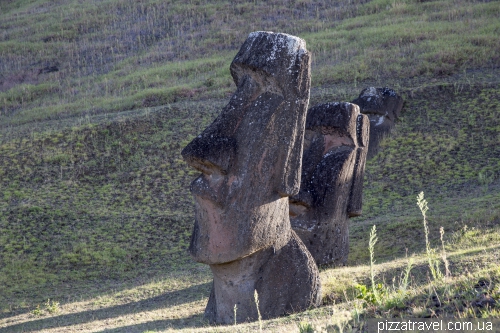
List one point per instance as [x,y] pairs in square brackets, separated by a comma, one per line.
[250,156]
[383,107]
[335,146]
[382,102]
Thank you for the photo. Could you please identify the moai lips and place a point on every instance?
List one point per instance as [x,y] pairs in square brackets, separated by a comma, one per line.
[383,107]
[250,159]
[335,147]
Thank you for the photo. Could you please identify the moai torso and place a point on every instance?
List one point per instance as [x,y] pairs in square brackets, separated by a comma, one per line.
[250,159]
[335,147]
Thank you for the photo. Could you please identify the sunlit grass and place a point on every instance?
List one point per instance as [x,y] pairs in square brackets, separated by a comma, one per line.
[111,50]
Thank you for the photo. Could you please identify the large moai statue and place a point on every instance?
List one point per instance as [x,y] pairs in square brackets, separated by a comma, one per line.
[335,148]
[250,158]
[383,107]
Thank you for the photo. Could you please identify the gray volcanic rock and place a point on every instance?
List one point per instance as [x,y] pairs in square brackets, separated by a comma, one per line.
[383,107]
[335,148]
[250,158]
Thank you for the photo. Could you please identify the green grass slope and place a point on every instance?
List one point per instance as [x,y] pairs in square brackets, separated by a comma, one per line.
[95,209]
[122,55]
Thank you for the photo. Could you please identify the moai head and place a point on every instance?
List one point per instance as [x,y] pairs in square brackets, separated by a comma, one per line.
[250,156]
[383,107]
[335,146]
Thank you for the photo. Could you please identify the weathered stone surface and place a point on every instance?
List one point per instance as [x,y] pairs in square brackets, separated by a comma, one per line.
[250,159]
[383,107]
[335,147]
[286,281]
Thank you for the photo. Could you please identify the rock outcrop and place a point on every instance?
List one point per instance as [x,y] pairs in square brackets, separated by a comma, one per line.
[250,158]
[335,148]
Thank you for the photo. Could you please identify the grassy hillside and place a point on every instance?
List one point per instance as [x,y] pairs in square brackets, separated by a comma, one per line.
[97,99]
[120,55]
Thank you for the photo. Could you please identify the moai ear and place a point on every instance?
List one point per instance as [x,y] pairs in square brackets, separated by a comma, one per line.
[355,205]
[290,133]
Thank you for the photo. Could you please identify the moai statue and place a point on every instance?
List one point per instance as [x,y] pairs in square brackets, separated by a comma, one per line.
[335,147]
[250,158]
[382,106]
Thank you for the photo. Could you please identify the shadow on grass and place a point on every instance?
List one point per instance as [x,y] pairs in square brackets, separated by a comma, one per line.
[192,321]
[25,298]
[163,301]
[474,251]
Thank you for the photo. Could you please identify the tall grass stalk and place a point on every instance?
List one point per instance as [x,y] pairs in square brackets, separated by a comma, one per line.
[371,247]
[235,309]
[431,257]
[404,282]
[256,299]
[443,254]
[399,294]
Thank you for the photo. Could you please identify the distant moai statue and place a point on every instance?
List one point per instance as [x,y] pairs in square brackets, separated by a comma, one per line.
[383,107]
[335,148]
[250,159]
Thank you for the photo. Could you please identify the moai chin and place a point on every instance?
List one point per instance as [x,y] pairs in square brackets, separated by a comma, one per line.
[250,159]
[383,107]
[335,147]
